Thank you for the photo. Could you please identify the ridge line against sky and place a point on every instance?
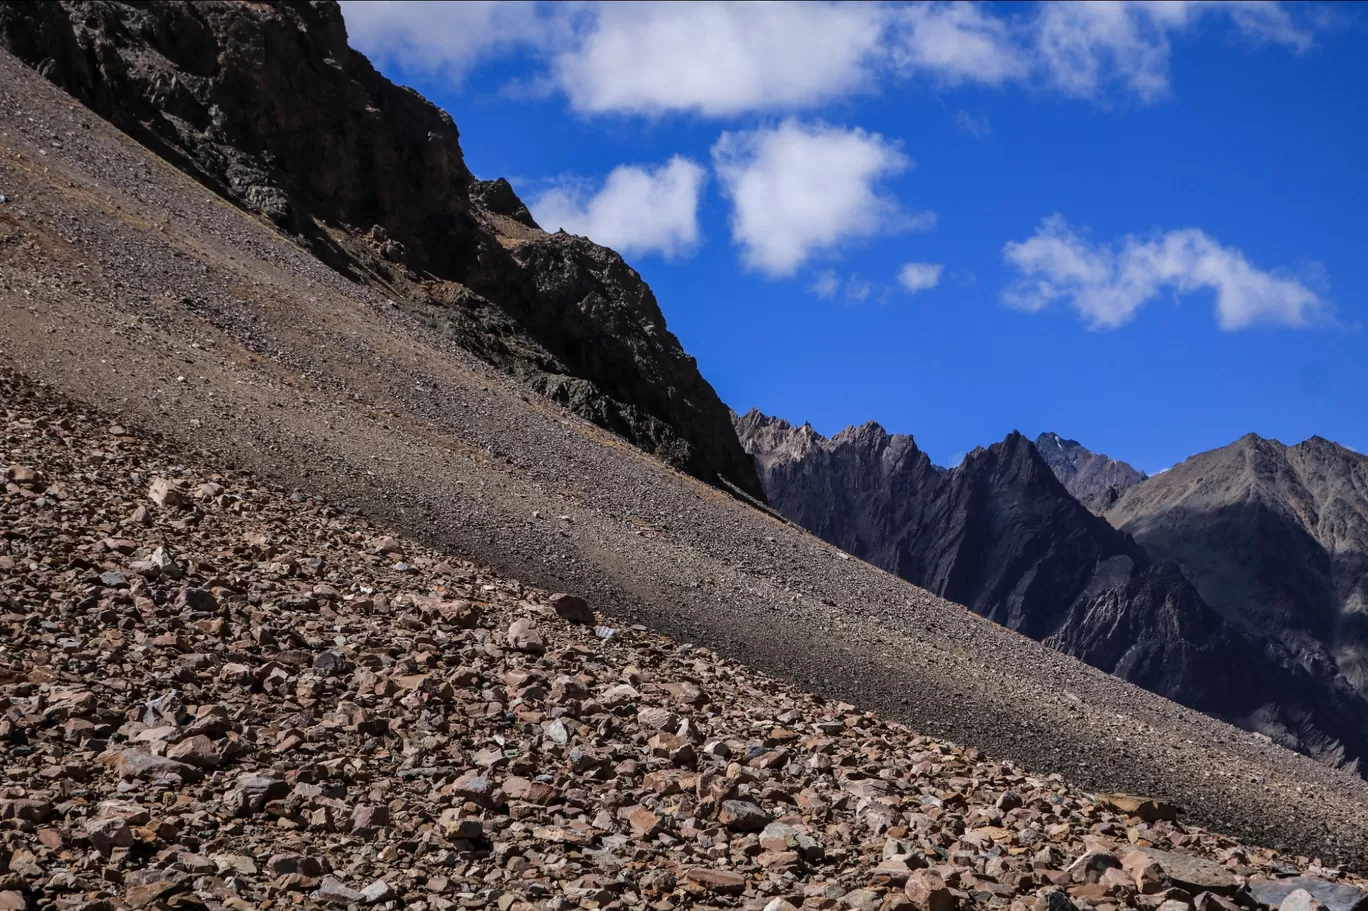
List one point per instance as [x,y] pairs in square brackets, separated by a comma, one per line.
[769,135]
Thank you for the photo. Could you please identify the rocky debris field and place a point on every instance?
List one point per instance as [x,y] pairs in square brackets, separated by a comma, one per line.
[217,694]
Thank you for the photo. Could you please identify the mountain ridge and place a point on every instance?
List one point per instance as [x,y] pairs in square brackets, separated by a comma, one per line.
[1001,534]
[1276,538]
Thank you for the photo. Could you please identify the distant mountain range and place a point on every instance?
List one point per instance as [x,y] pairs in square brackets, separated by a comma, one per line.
[1236,583]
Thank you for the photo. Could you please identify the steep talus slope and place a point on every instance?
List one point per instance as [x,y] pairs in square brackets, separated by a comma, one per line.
[128,287]
[254,700]
[125,285]
[1084,473]
[1274,537]
[265,104]
[1000,534]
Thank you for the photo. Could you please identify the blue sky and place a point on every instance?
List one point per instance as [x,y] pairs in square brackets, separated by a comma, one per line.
[1139,226]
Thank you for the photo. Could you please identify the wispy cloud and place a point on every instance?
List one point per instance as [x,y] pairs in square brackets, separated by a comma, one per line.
[977,127]
[800,189]
[637,210]
[1108,283]
[723,59]
[917,277]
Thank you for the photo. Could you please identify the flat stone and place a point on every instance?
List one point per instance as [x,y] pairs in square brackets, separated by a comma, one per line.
[138,764]
[1334,896]
[1147,808]
[1196,874]
[334,891]
[719,882]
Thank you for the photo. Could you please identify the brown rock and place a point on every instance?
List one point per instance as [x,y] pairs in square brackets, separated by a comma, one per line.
[1147,808]
[719,882]
[927,891]
[1144,871]
[166,493]
[572,608]
[109,833]
[524,637]
[1196,874]
[198,751]
[742,816]
[139,764]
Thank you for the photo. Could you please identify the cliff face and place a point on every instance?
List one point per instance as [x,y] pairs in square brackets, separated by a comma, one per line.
[1084,473]
[268,106]
[1000,534]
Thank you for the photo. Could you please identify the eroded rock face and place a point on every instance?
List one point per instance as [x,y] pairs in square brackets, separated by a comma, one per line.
[268,106]
[1275,538]
[1001,535]
[1085,473]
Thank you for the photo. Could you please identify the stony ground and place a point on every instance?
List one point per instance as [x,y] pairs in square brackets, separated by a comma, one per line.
[130,288]
[219,694]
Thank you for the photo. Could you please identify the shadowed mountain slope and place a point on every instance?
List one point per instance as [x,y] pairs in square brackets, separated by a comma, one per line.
[1000,534]
[1274,537]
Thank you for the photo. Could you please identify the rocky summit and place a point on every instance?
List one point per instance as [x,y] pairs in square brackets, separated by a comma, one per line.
[1084,473]
[237,95]
[1002,535]
[1275,538]
[219,694]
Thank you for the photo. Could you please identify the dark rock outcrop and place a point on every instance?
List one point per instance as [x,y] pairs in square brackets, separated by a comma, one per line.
[1084,473]
[268,106]
[1001,535]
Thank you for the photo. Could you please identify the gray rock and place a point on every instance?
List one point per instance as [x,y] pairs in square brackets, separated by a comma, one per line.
[743,816]
[1334,896]
[334,891]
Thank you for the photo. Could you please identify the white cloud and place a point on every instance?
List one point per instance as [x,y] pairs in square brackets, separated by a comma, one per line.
[826,284]
[638,210]
[1107,284]
[720,59]
[723,59]
[853,289]
[858,289]
[977,127]
[1084,46]
[800,189]
[956,43]
[447,38]
[915,277]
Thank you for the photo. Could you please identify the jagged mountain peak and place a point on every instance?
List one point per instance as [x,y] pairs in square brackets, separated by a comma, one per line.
[1002,534]
[1085,473]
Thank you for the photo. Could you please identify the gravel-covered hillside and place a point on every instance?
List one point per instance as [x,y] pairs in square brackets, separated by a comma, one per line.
[218,694]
